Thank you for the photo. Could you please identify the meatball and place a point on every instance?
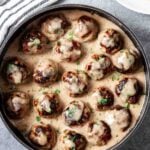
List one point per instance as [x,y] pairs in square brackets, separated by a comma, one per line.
[75,82]
[54,26]
[73,141]
[43,136]
[119,117]
[103,98]
[17,104]
[15,71]
[76,113]
[47,104]
[128,90]
[99,133]
[110,41]
[85,29]
[99,67]
[34,42]
[69,50]
[45,72]
[126,61]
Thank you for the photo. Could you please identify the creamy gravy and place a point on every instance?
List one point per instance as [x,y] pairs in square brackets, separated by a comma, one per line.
[89,48]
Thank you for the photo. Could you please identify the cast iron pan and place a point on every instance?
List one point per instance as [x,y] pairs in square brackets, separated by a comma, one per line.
[20,28]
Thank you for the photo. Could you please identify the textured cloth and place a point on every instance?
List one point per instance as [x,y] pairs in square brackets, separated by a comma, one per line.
[12,12]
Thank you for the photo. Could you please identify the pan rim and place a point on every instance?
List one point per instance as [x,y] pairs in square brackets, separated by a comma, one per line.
[110,17]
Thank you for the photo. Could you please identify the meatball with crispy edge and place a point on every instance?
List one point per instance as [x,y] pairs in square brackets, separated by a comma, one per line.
[99,67]
[85,29]
[15,71]
[17,104]
[111,41]
[76,82]
[103,97]
[71,140]
[48,105]
[99,133]
[43,136]
[76,113]
[34,42]
[68,50]
[129,90]
[46,72]
[126,61]
[119,117]
[54,26]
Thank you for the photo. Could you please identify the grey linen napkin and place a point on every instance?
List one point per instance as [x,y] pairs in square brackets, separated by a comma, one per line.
[12,12]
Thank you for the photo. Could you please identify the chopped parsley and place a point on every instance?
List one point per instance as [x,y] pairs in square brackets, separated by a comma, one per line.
[102,59]
[11,67]
[116,76]
[57,91]
[48,42]
[103,101]
[71,112]
[70,35]
[78,62]
[73,138]
[43,90]
[58,31]
[127,105]
[58,132]
[38,119]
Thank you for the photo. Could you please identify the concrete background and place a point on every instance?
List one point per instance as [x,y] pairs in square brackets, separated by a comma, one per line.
[140,25]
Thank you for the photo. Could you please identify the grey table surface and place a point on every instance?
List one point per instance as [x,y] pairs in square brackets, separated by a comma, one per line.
[140,25]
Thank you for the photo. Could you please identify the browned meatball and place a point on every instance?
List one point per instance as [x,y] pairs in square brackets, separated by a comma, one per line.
[75,82]
[118,117]
[129,90]
[34,42]
[76,113]
[69,50]
[99,67]
[103,98]
[47,104]
[54,26]
[15,71]
[45,72]
[72,140]
[85,29]
[17,105]
[99,133]
[110,41]
[43,136]
[126,61]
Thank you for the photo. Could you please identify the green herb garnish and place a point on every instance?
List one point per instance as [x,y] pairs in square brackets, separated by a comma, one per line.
[103,101]
[11,67]
[71,112]
[73,138]
[116,76]
[57,91]
[70,35]
[58,132]
[127,105]
[38,119]
[48,42]
[78,62]
[58,31]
